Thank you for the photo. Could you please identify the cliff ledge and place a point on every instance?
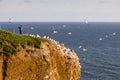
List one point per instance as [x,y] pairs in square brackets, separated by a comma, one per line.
[33,58]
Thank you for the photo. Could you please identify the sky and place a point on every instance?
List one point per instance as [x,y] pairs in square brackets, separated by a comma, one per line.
[60,10]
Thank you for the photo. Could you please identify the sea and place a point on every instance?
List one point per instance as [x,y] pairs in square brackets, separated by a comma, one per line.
[97,44]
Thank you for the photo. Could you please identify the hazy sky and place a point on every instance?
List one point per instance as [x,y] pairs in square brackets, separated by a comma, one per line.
[60,10]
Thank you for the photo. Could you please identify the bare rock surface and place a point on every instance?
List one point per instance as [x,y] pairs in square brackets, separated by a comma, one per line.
[53,61]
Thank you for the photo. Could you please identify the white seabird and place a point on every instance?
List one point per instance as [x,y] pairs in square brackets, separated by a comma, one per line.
[114,33]
[54,32]
[84,49]
[80,47]
[69,33]
[100,39]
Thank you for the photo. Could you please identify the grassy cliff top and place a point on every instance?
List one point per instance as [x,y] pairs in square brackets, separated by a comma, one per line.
[10,42]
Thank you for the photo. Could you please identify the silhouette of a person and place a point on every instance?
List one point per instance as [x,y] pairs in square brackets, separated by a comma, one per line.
[20,29]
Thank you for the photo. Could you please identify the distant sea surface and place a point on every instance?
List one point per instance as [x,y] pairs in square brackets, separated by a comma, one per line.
[96,44]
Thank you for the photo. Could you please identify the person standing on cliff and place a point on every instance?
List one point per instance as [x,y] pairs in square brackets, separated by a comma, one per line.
[20,29]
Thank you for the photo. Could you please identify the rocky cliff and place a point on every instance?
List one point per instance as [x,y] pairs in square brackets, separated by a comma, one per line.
[25,60]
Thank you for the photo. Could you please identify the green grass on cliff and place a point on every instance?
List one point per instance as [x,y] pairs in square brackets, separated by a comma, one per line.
[10,42]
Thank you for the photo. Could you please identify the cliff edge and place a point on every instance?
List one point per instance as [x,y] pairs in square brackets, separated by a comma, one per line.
[23,57]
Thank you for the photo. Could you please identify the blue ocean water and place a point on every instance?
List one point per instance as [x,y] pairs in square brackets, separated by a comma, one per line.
[96,44]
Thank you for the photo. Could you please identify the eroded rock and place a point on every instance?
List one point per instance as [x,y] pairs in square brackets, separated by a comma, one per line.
[51,62]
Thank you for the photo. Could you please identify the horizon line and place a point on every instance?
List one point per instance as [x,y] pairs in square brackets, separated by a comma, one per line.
[64,21]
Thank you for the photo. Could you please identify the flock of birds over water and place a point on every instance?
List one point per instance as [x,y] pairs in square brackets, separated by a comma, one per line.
[80,47]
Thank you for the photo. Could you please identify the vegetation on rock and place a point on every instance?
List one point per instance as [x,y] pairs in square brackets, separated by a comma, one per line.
[9,42]
[31,58]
